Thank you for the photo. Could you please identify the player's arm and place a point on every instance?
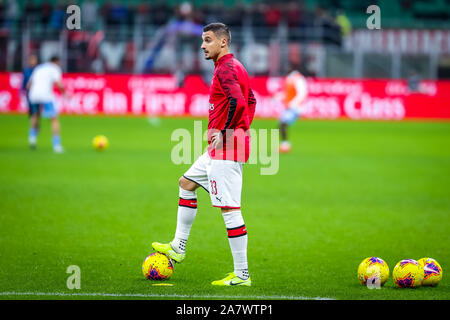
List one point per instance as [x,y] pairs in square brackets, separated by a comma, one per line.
[236,102]
[251,105]
[57,80]
[232,89]
[60,87]
[28,83]
[25,81]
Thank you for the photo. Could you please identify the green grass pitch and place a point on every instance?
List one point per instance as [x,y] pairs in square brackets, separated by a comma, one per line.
[348,190]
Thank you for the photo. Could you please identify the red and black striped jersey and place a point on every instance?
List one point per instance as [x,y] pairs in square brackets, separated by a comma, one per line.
[231,109]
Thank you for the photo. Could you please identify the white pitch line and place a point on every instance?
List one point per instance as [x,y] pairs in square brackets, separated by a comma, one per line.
[143,295]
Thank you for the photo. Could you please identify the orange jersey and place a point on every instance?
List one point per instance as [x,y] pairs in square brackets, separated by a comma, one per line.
[295,89]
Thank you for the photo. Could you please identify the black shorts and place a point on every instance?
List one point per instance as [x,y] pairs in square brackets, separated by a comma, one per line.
[34,108]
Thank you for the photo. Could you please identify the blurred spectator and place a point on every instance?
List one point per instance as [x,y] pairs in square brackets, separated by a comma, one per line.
[117,14]
[293,14]
[2,14]
[104,11]
[257,20]
[31,12]
[232,17]
[78,60]
[57,17]
[345,26]
[182,35]
[46,12]
[160,13]
[344,23]
[11,12]
[257,15]
[142,15]
[211,12]
[131,15]
[272,15]
[331,32]
[89,11]
[186,32]
[414,81]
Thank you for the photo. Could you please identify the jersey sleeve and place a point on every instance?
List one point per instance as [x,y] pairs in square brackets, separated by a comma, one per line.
[57,74]
[251,105]
[230,86]
[32,77]
[25,79]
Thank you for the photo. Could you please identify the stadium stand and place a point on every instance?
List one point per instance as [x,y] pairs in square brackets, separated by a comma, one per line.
[118,35]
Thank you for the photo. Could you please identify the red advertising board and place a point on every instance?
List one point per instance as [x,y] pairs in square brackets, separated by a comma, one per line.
[157,95]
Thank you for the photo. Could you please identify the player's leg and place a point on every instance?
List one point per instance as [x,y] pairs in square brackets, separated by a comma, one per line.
[187,209]
[195,177]
[283,131]
[225,192]
[50,112]
[238,239]
[32,110]
[288,117]
[34,124]
[56,138]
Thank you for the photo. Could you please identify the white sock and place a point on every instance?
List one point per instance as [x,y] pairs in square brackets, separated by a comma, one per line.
[237,237]
[187,210]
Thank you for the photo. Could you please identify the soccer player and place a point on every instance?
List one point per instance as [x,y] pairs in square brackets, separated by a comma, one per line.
[219,170]
[41,96]
[27,71]
[295,92]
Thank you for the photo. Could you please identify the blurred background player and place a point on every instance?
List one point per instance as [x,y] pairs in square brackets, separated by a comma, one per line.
[293,97]
[27,71]
[413,81]
[42,99]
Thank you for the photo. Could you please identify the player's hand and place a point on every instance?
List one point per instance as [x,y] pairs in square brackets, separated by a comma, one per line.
[217,140]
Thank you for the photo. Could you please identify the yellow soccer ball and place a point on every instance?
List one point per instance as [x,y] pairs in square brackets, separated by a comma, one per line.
[408,274]
[432,271]
[100,142]
[157,266]
[372,269]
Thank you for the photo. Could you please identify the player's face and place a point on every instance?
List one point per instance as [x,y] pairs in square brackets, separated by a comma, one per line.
[212,45]
[32,61]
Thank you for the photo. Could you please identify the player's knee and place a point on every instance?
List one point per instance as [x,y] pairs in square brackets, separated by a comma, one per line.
[186,184]
[227,210]
[181,182]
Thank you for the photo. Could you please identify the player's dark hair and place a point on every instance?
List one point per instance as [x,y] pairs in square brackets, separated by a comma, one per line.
[219,29]
[54,59]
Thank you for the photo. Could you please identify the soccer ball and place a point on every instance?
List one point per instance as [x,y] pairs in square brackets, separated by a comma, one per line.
[432,271]
[157,266]
[371,269]
[408,274]
[100,142]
